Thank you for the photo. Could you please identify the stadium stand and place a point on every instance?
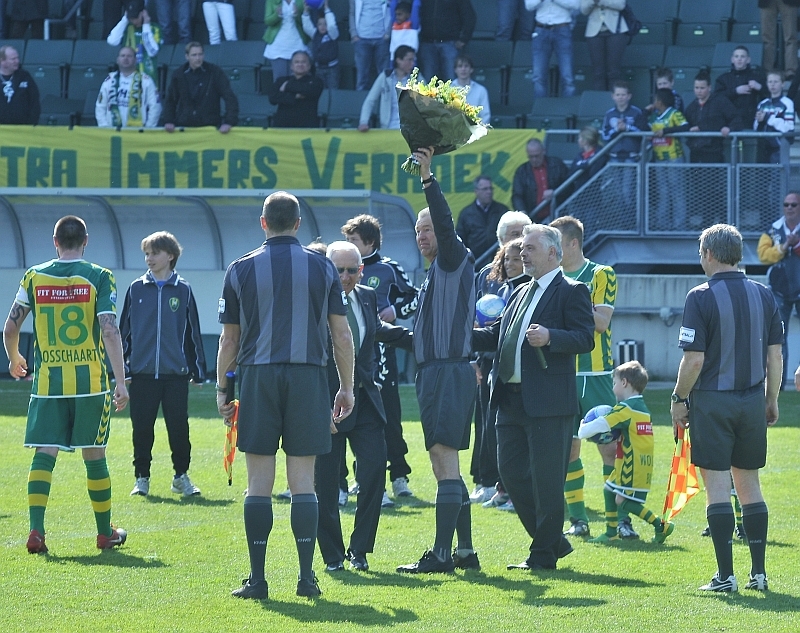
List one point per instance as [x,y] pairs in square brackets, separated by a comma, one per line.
[704,23]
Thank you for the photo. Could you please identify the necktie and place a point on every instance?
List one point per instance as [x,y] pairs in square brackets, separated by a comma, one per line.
[351,319]
[508,351]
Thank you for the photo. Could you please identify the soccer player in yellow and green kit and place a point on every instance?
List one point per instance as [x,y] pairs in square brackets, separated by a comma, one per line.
[628,485]
[74,329]
[593,369]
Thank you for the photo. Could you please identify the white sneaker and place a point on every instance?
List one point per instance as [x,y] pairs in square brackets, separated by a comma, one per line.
[757,582]
[386,502]
[484,495]
[142,487]
[400,488]
[508,506]
[498,499]
[286,494]
[183,486]
[342,497]
[353,490]
[728,585]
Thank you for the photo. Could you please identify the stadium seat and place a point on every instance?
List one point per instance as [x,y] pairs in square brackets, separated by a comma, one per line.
[685,62]
[563,147]
[51,80]
[92,60]
[347,64]
[658,21]
[594,104]
[87,115]
[553,113]
[48,52]
[494,80]
[254,110]
[19,46]
[520,90]
[746,11]
[241,61]
[493,53]
[58,111]
[343,109]
[704,23]
[255,21]
[486,23]
[522,54]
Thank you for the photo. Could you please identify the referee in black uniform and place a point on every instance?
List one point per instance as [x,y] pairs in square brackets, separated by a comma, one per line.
[727,393]
[445,379]
[277,305]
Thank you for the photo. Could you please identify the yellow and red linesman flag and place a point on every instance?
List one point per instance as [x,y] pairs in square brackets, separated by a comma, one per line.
[231,436]
[683,483]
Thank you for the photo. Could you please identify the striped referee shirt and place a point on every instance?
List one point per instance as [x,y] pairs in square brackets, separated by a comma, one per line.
[281,295]
[732,319]
[446,308]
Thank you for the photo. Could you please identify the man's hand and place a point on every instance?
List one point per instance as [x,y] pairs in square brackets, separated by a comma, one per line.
[18,367]
[459,44]
[725,131]
[363,127]
[680,416]
[760,116]
[224,128]
[744,89]
[343,405]
[145,16]
[537,335]
[477,368]
[387,315]
[772,412]
[423,156]
[754,85]
[283,86]
[694,128]
[658,133]
[120,395]
[169,127]
[621,125]
[547,194]
[226,409]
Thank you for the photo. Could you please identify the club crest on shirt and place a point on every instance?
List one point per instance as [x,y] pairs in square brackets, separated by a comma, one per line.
[686,335]
[221,306]
[374,281]
[174,304]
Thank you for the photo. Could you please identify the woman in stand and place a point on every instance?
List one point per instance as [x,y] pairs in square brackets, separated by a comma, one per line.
[607,37]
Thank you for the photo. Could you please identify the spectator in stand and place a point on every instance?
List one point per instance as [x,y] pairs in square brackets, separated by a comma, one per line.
[477,222]
[19,103]
[405,28]
[24,13]
[297,95]
[175,12]
[216,14]
[709,113]
[127,97]
[589,143]
[383,94]
[552,33]
[744,85]
[140,33]
[514,21]
[665,79]
[537,180]
[623,117]
[370,29]
[607,38]
[769,28]
[284,34]
[773,114]
[194,94]
[670,182]
[477,95]
[446,26]
[324,48]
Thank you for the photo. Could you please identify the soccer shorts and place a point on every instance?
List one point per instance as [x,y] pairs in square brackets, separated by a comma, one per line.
[69,423]
[446,394]
[592,391]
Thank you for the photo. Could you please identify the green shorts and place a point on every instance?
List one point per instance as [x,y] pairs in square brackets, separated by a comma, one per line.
[593,390]
[69,423]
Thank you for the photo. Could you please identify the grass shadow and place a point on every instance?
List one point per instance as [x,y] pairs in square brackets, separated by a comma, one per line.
[384,579]
[533,586]
[111,558]
[324,611]
[769,601]
[195,501]
[640,545]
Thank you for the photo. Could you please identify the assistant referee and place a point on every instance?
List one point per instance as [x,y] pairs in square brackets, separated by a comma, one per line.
[277,305]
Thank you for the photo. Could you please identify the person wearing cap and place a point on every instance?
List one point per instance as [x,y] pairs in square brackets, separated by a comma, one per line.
[140,33]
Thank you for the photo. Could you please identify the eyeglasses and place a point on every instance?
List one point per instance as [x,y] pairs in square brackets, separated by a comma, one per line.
[790,204]
[350,271]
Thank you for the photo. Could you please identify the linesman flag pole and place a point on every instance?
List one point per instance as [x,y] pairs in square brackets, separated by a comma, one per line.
[232,434]
[683,483]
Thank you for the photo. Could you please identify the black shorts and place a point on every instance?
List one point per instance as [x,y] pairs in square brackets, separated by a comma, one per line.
[446,394]
[284,401]
[729,428]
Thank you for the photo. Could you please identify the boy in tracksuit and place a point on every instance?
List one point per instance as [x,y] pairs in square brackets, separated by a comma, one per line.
[162,349]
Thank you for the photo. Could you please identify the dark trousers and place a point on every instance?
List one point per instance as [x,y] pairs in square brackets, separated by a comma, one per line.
[147,394]
[396,447]
[483,467]
[605,51]
[369,447]
[786,308]
[532,455]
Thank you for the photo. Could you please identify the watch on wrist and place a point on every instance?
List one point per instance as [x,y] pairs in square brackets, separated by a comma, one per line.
[676,398]
[427,181]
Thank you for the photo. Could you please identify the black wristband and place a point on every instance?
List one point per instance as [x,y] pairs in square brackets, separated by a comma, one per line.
[427,181]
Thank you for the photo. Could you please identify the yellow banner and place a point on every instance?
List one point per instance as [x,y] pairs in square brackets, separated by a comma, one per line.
[251,158]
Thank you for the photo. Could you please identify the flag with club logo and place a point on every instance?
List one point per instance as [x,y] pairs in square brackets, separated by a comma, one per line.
[683,483]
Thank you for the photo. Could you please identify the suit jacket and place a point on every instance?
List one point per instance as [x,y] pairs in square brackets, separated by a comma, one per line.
[365,359]
[565,309]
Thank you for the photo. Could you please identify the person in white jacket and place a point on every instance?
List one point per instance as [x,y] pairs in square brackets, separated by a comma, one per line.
[217,13]
[477,95]
[383,94]
[127,97]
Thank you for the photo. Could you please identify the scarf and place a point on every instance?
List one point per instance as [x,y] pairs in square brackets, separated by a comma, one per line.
[134,102]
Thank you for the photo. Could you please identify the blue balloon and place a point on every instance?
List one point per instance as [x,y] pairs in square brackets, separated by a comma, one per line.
[488,308]
[314,4]
[601,438]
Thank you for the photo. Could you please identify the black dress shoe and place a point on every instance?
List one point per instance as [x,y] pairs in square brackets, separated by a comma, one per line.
[252,589]
[358,561]
[428,564]
[308,587]
[333,567]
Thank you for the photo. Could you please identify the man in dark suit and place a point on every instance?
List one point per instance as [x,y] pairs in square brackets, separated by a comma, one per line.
[546,323]
[365,428]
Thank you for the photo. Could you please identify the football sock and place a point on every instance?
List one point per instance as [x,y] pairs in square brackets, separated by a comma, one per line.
[737,510]
[39,478]
[621,514]
[634,507]
[304,518]
[464,522]
[610,499]
[257,527]
[448,507]
[756,517]
[573,491]
[721,523]
[99,484]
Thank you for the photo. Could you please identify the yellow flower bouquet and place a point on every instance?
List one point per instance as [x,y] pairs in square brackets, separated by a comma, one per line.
[436,114]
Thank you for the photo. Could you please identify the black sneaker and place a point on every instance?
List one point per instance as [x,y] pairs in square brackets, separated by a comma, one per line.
[740,533]
[706,532]
[308,587]
[252,589]
[358,561]
[470,561]
[429,564]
